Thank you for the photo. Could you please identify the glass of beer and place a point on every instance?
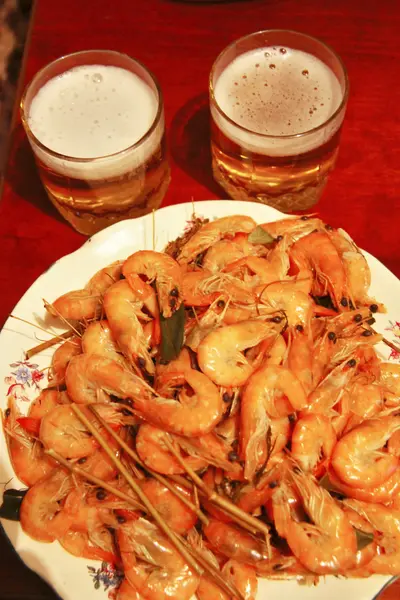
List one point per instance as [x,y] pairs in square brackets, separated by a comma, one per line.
[277,100]
[95,121]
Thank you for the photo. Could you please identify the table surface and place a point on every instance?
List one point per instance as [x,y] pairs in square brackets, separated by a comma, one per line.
[178,41]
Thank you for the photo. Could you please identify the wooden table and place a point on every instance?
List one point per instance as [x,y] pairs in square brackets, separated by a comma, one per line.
[178,41]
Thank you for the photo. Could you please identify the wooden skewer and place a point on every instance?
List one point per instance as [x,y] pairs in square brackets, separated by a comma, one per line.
[103,484]
[228,506]
[156,475]
[214,572]
[48,344]
[137,489]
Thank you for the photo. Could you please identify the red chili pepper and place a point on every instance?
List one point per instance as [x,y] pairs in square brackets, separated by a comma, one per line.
[103,555]
[30,424]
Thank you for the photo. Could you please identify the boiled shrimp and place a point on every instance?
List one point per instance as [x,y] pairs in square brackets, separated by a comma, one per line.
[286,297]
[386,524]
[318,252]
[124,310]
[86,304]
[98,339]
[29,462]
[221,354]
[196,410]
[151,447]
[61,358]
[328,543]
[235,543]
[63,432]
[358,273]
[313,441]
[293,228]
[41,514]
[164,574]
[175,513]
[329,391]
[358,457]
[91,378]
[162,269]
[259,412]
[212,232]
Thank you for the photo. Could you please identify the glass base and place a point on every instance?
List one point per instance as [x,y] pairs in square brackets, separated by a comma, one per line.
[289,201]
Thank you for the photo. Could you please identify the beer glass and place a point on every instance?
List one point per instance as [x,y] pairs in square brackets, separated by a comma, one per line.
[277,100]
[95,122]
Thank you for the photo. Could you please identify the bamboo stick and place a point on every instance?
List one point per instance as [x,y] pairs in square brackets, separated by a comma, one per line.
[48,344]
[103,484]
[156,475]
[233,510]
[137,489]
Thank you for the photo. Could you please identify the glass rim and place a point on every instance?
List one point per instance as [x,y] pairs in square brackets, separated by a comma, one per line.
[59,155]
[266,136]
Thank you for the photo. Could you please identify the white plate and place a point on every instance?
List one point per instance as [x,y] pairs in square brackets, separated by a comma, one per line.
[71,577]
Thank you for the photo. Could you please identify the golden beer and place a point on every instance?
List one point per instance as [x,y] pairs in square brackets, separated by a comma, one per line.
[96,125]
[277,112]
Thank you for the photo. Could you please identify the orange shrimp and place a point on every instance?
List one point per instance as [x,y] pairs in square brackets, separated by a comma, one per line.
[285,296]
[170,578]
[162,269]
[78,544]
[390,378]
[41,515]
[63,432]
[361,525]
[154,453]
[313,440]
[329,391]
[221,354]
[86,304]
[293,228]
[123,308]
[98,339]
[90,378]
[212,232]
[386,524]
[45,402]
[29,462]
[235,543]
[175,513]
[243,577]
[358,458]
[319,253]
[358,273]
[328,543]
[259,411]
[386,492]
[193,290]
[126,591]
[61,358]
[196,411]
[223,253]
[300,357]
[256,270]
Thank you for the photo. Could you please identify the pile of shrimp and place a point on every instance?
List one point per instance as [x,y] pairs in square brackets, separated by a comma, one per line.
[276,403]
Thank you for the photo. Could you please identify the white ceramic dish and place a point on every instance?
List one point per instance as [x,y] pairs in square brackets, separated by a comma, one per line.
[78,578]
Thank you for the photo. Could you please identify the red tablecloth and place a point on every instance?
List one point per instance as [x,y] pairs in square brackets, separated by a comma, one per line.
[178,41]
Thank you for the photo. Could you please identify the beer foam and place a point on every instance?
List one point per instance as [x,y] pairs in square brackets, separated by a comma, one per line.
[277,91]
[94,111]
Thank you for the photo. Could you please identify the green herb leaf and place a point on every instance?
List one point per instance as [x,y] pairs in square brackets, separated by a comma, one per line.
[12,500]
[364,538]
[172,330]
[260,236]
